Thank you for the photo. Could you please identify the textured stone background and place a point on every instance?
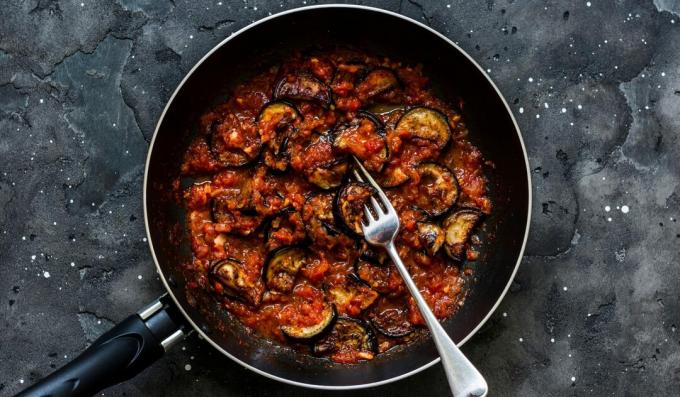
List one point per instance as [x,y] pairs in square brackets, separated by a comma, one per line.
[595,87]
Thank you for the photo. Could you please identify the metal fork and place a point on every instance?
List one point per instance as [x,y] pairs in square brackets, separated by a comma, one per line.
[380,228]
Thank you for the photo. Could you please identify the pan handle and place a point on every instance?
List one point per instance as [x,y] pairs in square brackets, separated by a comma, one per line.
[119,354]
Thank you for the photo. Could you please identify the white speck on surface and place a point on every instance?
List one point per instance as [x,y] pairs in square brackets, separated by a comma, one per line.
[552,340]
[139,276]
[545,104]
[23,238]
[538,116]
[565,288]
[46,274]
[73,264]
[521,110]
[521,340]
[564,110]
[144,239]
[448,6]
[625,209]
[32,257]
[609,219]
[187,367]
[505,314]
[573,379]
[70,201]
[620,255]
[579,107]
[41,100]
[607,208]
[21,381]
[531,79]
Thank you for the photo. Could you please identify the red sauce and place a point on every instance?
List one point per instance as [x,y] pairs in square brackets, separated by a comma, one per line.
[242,211]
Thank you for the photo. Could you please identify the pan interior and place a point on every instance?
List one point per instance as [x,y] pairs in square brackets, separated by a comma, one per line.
[452,74]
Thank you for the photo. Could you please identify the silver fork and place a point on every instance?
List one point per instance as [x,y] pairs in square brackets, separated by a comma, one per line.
[380,228]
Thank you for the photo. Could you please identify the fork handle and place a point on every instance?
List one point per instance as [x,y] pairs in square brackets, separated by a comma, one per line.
[464,379]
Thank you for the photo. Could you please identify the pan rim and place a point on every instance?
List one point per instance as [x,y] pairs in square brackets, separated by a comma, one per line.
[163,276]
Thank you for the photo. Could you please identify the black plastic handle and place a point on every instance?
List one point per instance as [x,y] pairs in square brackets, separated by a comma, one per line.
[119,354]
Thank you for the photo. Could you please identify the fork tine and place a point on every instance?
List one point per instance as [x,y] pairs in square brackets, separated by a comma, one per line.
[377,208]
[369,178]
[369,216]
[356,175]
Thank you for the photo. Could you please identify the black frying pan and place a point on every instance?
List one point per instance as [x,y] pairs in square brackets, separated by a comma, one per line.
[143,337]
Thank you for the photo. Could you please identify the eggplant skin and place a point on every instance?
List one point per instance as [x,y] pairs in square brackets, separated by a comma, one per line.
[431,236]
[392,322]
[378,81]
[276,124]
[351,292]
[231,156]
[282,267]
[309,332]
[348,334]
[437,189]
[426,123]
[328,176]
[457,230]
[303,87]
[320,221]
[349,205]
[392,176]
[354,138]
[230,279]
[232,210]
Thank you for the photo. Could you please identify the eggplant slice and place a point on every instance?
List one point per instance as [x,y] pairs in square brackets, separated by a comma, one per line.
[392,322]
[346,77]
[233,209]
[378,81]
[276,125]
[348,334]
[282,267]
[364,137]
[329,175]
[352,296]
[326,318]
[431,237]
[458,228]
[227,143]
[436,191]
[349,205]
[319,219]
[426,123]
[303,87]
[325,174]
[230,279]
[392,176]
[372,254]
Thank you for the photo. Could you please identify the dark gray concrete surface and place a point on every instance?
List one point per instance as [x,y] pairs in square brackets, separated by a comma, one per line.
[595,86]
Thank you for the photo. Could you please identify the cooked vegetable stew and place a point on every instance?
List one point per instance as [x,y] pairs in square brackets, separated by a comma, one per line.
[274,217]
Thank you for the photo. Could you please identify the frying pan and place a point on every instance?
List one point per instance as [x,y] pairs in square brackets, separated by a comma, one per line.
[142,338]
